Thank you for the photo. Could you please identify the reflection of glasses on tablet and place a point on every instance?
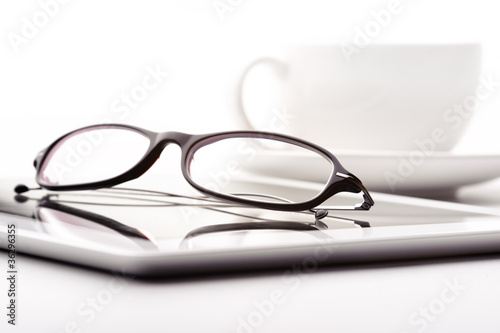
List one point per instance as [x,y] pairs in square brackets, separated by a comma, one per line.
[230,166]
[63,212]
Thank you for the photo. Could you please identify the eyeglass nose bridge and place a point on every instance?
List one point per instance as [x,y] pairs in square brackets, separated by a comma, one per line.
[161,140]
[165,138]
[158,143]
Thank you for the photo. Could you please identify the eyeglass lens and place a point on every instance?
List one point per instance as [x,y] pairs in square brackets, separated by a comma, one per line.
[241,166]
[93,155]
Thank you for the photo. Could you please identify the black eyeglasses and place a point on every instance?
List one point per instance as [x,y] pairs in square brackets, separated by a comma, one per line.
[230,166]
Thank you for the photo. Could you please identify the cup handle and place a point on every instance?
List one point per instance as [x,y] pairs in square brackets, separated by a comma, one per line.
[281,68]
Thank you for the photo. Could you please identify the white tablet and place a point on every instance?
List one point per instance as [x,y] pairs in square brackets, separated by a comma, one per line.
[156,234]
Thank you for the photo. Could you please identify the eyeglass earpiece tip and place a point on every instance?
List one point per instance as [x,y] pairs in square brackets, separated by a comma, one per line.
[21,188]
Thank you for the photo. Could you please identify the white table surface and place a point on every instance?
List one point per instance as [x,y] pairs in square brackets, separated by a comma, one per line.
[55,297]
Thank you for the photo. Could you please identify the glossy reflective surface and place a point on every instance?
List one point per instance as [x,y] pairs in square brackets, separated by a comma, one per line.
[152,220]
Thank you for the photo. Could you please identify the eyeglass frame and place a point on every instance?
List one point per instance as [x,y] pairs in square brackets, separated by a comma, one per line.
[340,179]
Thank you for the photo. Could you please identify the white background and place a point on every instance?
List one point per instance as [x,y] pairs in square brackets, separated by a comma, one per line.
[69,74]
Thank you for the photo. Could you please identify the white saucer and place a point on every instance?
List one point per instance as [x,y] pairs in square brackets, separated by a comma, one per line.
[404,172]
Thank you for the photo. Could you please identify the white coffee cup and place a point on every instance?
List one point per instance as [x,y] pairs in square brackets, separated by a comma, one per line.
[388,98]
